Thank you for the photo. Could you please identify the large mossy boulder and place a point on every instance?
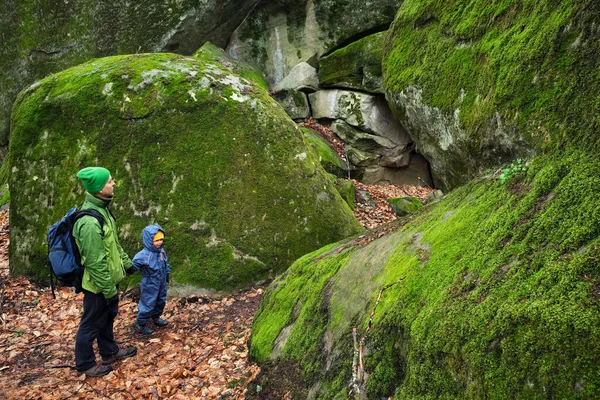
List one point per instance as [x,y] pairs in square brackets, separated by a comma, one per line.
[280,34]
[476,84]
[44,37]
[356,66]
[491,293]
[194,145]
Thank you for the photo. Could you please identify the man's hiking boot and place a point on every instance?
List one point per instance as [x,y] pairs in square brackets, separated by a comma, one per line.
[144,329]
[159,321]
[124,352]
[97,371]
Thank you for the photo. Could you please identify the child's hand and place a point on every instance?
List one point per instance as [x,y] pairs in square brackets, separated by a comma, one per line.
[130,271]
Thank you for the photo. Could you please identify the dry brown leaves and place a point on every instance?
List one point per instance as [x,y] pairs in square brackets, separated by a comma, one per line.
[328,135]
[202,353]
[378,211]
[371,214]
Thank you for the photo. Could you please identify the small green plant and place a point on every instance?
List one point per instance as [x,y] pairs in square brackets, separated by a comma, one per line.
[516,168]
[235,383]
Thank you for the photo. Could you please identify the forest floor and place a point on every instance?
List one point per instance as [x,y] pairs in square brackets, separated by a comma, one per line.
[202,353]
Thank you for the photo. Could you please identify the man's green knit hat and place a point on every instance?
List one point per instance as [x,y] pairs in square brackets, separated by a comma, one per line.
[93,178]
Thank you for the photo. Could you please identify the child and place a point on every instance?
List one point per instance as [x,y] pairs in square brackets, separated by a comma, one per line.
[152,263]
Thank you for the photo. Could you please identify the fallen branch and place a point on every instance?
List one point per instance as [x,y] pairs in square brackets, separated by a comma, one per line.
[59,366]
[77,391]
[2,301]
[358,371]
[355,380]
[33,346]
[425,183]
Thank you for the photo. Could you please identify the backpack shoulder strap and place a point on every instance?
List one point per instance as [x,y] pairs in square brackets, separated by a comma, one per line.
[92,213]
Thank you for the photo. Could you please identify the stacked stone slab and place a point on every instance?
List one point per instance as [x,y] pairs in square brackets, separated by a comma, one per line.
[346,92]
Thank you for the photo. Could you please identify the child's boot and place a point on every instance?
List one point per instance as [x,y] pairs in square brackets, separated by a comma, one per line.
[159,321]
[144,329]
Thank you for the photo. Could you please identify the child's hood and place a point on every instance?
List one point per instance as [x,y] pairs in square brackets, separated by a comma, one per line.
[148,236]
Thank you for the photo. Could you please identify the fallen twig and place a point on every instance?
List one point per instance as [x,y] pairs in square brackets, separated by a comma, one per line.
[2,301]
[358,371]
[59,366]
[33,346]
[355,380]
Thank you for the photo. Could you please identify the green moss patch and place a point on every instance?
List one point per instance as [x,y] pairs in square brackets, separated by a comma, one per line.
[357,65]
[405,205]
[499,297]
[505,78]
[325,154]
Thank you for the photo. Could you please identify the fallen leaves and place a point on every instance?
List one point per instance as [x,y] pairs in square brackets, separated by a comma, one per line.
[202,353]
[372,209]
[324,131]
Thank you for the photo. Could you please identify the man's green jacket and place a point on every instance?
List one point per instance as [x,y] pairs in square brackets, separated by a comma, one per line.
[104,260]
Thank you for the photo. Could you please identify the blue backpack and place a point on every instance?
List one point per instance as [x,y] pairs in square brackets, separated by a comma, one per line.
[64,259]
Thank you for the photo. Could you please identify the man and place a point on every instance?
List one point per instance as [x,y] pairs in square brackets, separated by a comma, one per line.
[105,264]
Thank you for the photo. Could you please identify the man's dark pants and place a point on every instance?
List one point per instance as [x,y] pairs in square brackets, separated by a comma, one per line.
[96,323]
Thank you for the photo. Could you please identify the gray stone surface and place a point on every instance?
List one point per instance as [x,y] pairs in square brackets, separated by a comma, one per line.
[302,76]
[294,102]
[359,139]
[368,112]
[396,161]
[279,34]
[361,158]
[415,173]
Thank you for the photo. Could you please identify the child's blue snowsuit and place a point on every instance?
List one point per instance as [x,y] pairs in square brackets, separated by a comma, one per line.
[153,265]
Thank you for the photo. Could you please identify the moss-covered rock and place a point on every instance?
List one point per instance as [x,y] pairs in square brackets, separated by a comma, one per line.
[369,113]
[356,66]
[492,292]
[294,102]
[362,140]
[44,37]
[361,158]
[279,34]
[193,146]
[302,77]
[405,205]
[477,84]
[347,190]
[328,158]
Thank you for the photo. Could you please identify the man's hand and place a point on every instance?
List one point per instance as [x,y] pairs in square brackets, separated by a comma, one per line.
[113,305]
